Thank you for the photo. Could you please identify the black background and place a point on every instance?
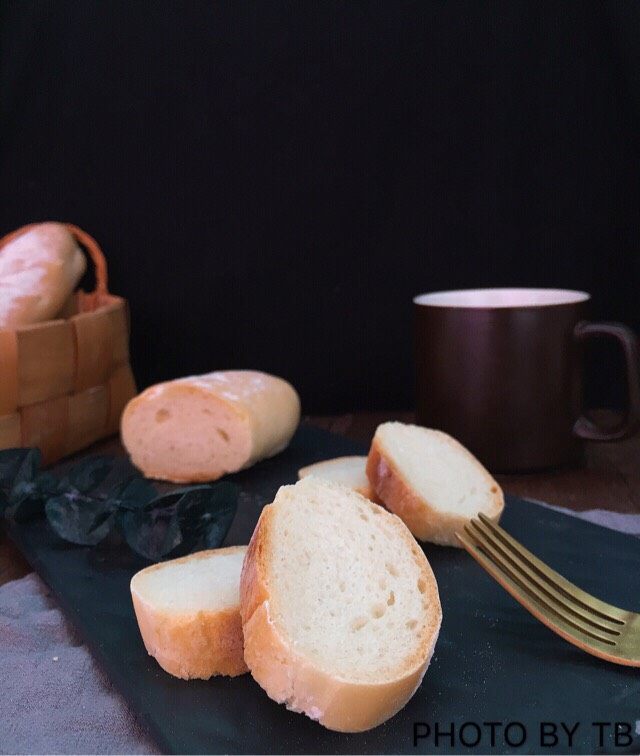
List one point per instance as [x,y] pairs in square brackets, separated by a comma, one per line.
[273,181]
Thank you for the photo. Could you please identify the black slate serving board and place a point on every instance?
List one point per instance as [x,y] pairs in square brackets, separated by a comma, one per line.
[493,661]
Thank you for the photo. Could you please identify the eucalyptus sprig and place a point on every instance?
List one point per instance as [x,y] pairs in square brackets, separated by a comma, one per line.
[99,496]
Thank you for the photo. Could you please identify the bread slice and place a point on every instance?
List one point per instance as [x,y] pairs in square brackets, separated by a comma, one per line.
[204,426]
[189,614]
[348,471]
[430,481]
[340,608]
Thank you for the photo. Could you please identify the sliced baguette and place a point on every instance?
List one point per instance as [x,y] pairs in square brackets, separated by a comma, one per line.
[205,426]
[189,615]
[430,481]
[340,608]
[348,471]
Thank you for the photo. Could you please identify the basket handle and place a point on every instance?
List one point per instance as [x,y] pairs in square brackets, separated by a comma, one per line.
[87,241]
[96,255]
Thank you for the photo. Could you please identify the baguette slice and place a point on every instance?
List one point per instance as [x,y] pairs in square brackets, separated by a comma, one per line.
[189,614]
[202,427]
[348,471]
[430,481]
[38,271]
[340,608]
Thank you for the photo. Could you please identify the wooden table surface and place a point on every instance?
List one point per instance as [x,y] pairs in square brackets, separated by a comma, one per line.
[608,478]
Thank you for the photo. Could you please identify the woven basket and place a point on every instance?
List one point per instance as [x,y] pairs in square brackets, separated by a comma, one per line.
[65,382]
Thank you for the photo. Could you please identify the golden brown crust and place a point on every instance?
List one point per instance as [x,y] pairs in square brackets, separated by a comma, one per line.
[197,645]
[426,523]
[292,679]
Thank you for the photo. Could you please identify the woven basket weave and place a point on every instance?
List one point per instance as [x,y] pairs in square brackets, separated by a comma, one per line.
[65,382]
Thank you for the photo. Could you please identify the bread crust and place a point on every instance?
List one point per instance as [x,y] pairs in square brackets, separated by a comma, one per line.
[290,678]
[423,520]
[266,408]
[192,646]
[53,263]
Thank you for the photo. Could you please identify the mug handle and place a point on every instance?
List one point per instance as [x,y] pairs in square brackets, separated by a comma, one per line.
[587,428]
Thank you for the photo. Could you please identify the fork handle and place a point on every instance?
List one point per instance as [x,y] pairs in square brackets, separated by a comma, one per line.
[584,426]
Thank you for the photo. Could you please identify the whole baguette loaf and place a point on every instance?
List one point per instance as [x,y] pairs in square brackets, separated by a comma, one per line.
[202,427]
[430,481]
[189,614]
[340,608]
[39,270]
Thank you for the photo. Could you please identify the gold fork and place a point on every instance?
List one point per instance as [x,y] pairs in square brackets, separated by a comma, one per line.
[578,617]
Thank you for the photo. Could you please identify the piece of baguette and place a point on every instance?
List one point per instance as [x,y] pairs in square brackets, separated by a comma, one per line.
[39,270]
[430,481]
[348,471]
[189,615]
[340,608]
[202,427]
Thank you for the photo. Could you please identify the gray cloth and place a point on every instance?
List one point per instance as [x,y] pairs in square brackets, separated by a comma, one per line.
[54,698]
[624,523]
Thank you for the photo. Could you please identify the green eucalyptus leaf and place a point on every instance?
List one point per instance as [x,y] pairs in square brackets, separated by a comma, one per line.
[47,484]
[90,473]
[26,509]
[135,493]
[205,514]
[26,487]
[80,519]
[18,470]
[18,464]
[156,520]
[152,532]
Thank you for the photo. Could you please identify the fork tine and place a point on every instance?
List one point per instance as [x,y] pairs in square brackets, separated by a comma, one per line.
[569,630]
[570,591]
[552,595]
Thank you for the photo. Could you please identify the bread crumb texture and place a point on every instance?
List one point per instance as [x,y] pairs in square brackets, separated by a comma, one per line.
[340,606]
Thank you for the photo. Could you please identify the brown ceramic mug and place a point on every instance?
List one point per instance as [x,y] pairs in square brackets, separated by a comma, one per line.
[501,371]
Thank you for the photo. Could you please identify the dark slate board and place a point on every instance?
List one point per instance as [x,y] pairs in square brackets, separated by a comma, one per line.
[493,661]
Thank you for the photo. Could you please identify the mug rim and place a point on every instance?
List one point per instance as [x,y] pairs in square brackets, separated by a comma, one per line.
[512,297]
